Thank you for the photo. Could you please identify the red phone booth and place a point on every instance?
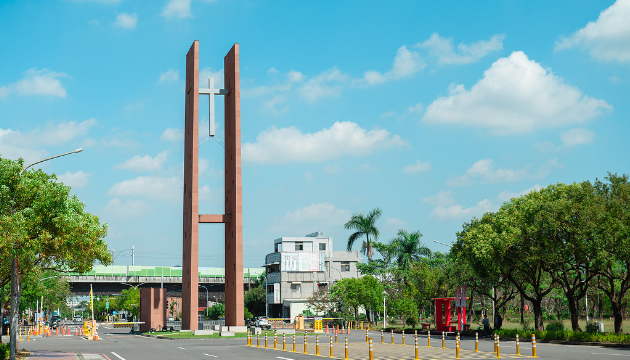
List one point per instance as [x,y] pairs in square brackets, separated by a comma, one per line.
[443,315]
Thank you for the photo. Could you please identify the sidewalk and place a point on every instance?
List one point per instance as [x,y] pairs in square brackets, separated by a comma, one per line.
[65,356]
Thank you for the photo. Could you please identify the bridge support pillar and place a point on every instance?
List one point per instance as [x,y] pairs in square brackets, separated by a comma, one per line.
[152,308]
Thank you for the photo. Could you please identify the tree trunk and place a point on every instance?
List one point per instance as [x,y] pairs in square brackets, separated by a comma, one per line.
[574,310]
[522,309]
[472,308]
[538,315]
[617,310]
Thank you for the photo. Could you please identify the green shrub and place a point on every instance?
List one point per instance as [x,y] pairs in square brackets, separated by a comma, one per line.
[592,328]
[4,351]
[555,326]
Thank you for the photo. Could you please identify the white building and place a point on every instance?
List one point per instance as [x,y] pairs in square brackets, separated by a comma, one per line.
[299,266]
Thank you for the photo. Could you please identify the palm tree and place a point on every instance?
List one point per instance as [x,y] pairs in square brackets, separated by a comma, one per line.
[364,225]
[407,248]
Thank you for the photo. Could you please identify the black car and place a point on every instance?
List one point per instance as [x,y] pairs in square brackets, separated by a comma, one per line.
[5,326]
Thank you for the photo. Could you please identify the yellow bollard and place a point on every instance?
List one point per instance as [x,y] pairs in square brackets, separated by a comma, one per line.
[346,357]
[392,336]
[403,335]
[443,341]
[416,358]
[265,340]
[331,347]
[534,346]
[336,336]
[429,339]
[366,336]
[371,351]
[28,335]
[305,343]
[476,342]
[257,340]
[20,333]
[284,342]
[275,340]
[498,348]
[518,348]
[457,348]
[317,345]
[247,338]
[293,342]
[495,343]
[382,338]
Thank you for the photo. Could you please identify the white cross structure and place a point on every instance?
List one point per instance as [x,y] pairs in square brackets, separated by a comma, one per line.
[212,91]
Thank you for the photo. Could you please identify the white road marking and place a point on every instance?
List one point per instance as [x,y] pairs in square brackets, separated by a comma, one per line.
[210,355]
[118,356]
[278,357]
[179,347]
[610,354]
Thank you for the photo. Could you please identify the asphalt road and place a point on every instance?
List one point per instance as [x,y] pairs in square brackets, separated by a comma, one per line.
[119,344]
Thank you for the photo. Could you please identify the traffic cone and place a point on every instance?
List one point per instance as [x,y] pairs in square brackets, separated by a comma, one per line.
[95,335]
[76,331]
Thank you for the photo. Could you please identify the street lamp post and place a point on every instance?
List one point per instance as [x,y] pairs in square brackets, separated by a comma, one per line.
[15,286]
[384,311]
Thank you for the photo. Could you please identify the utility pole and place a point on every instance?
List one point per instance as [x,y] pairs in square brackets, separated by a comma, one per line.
[133,255]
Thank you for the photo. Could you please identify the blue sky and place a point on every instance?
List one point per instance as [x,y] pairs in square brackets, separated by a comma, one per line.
[433,111]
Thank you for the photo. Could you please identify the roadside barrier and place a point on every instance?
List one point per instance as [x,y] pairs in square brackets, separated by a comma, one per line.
[477,342]
[293,342]
[498,347]
[257,340]
[403,336]
[443,341]
[305,343]
[317,345]
[392,336]
[336,336]
[366,336]
[416,358]
[382,338]
[275,340]
[371,351]
[534,346]
[346,356]
[284,342]
[331,347]
[429,339]
[518,348]
[457,348]
[495,343]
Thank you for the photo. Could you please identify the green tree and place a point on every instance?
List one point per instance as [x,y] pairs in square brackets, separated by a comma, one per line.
[255,300]
[129,300]
[614,196]
[216,311]
[364,225]
[408,249]
[346,291]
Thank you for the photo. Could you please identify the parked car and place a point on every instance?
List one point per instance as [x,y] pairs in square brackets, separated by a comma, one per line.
[263,323]
[77,319]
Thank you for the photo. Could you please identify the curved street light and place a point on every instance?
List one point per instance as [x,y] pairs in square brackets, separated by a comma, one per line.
[14,270]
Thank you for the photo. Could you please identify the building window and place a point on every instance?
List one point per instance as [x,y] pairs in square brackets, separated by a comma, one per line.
[296,288]
[345,266]
[322,247]
[299,246]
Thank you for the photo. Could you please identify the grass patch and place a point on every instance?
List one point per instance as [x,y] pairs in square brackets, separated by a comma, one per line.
[606,338]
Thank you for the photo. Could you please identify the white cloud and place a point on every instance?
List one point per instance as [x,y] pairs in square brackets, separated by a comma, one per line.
[177,9]
[308,176]
[77,179]
[507,195]
[606,39]
[516,95]
[207,73]
[37,82]
[169,76]
[441,198]
[485,170]
[395,223]
[272,71]
[31,145]
[315,217]
[295,76]
[173,134]
[150,187]
[285,145]
[128,208]
[145,163]
[406,63]
[460,212]
[577,136]
[418,167]
[546,169]
[444,50]
[416,109]
[327,84]
[126,21]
